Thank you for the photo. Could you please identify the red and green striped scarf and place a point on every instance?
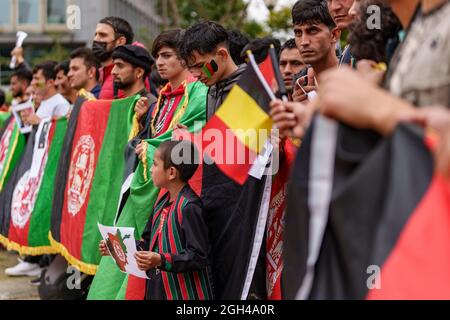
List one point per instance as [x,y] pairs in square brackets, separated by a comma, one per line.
[167,238]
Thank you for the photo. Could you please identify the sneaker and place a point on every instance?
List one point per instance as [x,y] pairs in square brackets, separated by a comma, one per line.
[24,269]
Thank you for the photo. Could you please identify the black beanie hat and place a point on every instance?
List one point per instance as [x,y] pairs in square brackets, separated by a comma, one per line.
[137,56]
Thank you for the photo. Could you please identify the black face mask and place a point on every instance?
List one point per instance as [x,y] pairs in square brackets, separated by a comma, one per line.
[99,50]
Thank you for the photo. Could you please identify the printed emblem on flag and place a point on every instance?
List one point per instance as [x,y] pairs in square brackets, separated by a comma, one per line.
[27,189]
[24,198]
[118,249]
[80,173]
[4,144]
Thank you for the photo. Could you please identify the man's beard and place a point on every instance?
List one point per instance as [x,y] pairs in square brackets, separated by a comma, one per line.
[122,85]
[18,94]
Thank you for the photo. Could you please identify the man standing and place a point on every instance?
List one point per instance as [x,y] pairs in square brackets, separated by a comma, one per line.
[132,65]
[53,104]
[291,63]
[110,33]
[343,17]
[84,71]
[205,48]
[20,81]
[62,82]
[316,39]
[181,102]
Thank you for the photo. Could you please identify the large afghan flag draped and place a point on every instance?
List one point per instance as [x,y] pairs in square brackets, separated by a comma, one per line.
[93,179]
[385,231]
[109,282]
[12,143]
[29,198]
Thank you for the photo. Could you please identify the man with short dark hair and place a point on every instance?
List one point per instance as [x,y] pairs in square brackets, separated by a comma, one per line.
[53,104]
[84,71]
[110,33]
[20,81]
[316,36]
[62,82]
[291,63]
[205,48]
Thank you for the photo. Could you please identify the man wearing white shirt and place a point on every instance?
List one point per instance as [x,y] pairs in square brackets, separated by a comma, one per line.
[53,104]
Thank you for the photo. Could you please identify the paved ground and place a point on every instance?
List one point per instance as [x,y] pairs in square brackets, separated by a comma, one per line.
[14,288]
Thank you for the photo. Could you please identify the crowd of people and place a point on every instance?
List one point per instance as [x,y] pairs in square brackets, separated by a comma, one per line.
[373,80]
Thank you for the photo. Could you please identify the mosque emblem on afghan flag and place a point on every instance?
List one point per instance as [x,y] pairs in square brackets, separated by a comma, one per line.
[80,173]
[118,249]
[23,200]
[27,189]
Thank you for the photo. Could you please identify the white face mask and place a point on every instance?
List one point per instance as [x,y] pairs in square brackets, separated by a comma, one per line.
[312,95]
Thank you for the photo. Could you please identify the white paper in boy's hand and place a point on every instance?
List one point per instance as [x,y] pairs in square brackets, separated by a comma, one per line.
[121,245]
[20,110]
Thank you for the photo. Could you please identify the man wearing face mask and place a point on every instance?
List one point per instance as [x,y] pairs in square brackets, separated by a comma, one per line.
[110,33]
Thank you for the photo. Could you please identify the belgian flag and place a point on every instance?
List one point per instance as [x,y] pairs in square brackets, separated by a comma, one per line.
[238,131]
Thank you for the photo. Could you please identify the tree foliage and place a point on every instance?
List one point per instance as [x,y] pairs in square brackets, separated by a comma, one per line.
[231,14]
[280,20]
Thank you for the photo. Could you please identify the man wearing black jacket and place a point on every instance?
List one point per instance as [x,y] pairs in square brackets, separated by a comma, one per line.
[205,49]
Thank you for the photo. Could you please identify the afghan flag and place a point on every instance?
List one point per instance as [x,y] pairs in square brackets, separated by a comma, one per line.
[92,178]
[27,211]
[366,218]
[12,144]
[109,282]
[275,221]
[4,117]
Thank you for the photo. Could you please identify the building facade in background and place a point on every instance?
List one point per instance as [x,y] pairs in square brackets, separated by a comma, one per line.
[45,22]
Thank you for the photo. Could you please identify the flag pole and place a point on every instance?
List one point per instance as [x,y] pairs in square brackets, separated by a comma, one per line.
[254,65]
[277,72]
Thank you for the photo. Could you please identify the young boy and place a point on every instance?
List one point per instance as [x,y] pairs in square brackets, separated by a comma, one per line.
[174,246]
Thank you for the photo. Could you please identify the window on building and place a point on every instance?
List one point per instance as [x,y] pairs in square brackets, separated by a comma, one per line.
[5,17]
[29,11]
[56,11]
